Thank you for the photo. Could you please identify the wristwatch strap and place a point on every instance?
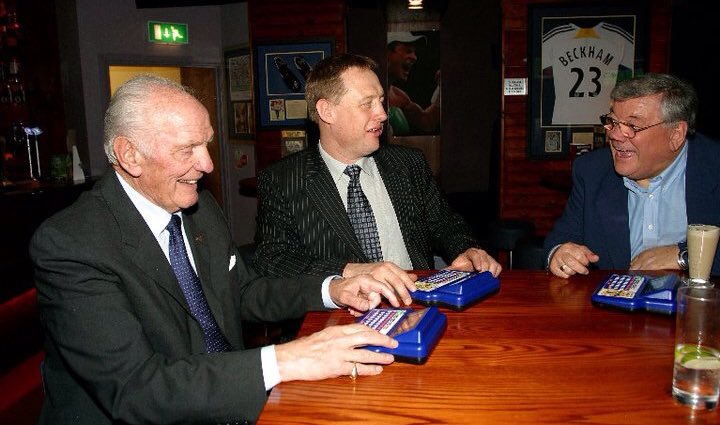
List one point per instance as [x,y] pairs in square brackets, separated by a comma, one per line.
[682,258]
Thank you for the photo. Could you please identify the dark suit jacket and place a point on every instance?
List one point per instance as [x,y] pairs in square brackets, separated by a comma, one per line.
[596,214]
[121,343]
[303,226]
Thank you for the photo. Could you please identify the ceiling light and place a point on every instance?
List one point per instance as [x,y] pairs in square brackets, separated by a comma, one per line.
[415,4]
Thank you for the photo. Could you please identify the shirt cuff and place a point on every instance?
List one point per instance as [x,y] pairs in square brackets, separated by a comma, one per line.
[550,255]
[270,368]
[327,301]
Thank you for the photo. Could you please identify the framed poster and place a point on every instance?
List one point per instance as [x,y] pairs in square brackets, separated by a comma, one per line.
[282,70]
[414,82]
[238,69]
[577,55]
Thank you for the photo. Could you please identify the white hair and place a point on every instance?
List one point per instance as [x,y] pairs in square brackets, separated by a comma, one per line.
[129,109]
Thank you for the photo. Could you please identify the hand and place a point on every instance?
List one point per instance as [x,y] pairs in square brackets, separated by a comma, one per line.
[476,259]
[571,258]
[658,258]
[363,292]
[332,352]
[387,272]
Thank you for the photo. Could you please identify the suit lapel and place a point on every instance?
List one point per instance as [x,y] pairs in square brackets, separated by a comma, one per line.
[399,189]
[322,192]
[613,216]
[139,244]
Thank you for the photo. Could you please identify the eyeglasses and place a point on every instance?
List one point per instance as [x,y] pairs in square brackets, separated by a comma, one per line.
[631,130]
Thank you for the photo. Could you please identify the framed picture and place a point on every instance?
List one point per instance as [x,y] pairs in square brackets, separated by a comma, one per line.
[243,119]
[413,75]
[282,70]
[576,56]
[238,68]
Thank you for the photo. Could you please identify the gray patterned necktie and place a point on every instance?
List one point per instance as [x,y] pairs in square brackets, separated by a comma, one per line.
[190,284]
[361,216]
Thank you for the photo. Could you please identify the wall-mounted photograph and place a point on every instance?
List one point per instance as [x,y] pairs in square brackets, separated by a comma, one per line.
[414,81]
[238,68]
[282,70]
[243,118]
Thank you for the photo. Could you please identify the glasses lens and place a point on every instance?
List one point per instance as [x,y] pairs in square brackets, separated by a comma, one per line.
[609,123]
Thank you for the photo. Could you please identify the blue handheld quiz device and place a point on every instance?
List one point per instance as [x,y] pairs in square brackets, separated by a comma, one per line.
[455,289]
[416,331]
[638,292]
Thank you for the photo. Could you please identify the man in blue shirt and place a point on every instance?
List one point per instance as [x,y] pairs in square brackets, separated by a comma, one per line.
[631,202]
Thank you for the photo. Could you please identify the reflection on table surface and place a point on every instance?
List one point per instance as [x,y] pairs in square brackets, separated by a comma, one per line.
[537,352]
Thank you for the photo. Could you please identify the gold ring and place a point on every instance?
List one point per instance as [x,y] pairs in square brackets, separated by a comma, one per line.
[563,267]
[354,372]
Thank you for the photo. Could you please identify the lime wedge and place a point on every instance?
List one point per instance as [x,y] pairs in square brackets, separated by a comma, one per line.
[682,349]
[704,363]
[685,353]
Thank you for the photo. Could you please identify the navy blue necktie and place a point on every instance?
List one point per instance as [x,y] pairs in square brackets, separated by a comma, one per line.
[190,284]
[361,216]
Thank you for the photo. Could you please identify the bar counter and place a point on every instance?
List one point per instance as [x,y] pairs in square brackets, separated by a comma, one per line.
[537,352]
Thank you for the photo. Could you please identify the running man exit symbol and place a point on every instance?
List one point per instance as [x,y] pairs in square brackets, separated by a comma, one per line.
[167,33]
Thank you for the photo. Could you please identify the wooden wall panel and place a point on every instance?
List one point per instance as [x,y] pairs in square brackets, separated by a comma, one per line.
[521,193]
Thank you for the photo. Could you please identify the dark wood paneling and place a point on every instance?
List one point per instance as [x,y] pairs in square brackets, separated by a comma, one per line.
[516,57]
[522,194]
[694,43]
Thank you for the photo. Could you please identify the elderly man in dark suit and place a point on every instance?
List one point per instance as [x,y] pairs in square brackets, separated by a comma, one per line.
[142,292]
[309,201]
[632,201]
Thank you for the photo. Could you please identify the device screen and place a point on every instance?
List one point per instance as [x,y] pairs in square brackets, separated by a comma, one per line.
[408,322]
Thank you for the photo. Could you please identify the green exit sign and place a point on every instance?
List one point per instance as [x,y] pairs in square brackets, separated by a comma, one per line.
[167,32]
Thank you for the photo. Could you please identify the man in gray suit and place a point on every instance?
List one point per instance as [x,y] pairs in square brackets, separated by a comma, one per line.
[303,226]
[131,337]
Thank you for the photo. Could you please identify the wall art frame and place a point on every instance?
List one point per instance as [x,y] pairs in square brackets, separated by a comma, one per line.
[239,72]
[576,55]
[282,70]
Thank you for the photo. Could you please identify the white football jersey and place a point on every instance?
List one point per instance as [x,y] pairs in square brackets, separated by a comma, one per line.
[585,63]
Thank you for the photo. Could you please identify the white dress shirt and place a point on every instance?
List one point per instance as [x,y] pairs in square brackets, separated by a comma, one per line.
[391,238]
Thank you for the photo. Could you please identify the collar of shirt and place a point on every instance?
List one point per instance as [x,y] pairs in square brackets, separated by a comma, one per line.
[667,177]
[155,217]
[391,238]
[337,168]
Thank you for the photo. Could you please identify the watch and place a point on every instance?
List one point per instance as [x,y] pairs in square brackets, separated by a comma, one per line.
[682,258]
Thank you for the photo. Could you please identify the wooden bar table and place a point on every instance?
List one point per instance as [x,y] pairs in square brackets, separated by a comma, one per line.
[537,352]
